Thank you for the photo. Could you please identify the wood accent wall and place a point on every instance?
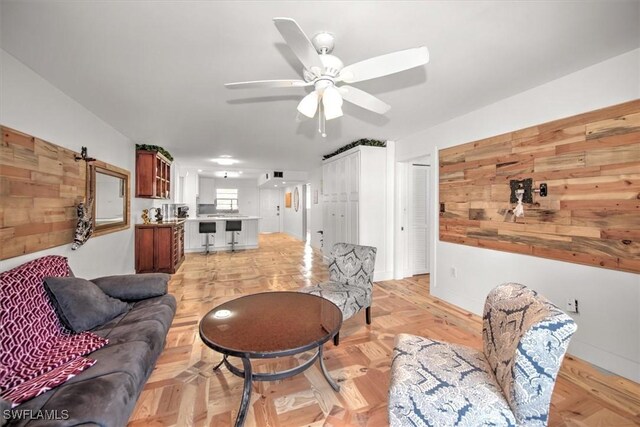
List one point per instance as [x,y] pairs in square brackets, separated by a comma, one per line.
[40,186]
[591,164]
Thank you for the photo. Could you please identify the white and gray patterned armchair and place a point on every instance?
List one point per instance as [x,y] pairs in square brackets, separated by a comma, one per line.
[350,282]
[509,383]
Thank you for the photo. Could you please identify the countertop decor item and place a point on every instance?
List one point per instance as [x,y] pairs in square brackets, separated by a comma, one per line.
[145,216]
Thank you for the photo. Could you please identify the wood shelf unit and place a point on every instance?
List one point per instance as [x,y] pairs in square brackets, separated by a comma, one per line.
[153,175]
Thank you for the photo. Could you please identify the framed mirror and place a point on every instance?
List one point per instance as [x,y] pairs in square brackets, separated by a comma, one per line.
[108,195]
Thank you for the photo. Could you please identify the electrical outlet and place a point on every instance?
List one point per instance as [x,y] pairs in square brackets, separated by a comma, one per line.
[572,305]
[454,272]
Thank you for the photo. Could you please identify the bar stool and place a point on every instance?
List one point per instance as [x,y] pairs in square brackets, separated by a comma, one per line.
[233,226]
[208,228]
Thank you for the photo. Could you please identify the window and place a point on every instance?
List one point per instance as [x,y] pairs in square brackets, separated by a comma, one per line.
[227,199]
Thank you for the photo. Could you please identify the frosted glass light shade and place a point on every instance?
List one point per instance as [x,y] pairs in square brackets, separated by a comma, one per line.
[332,102]
[309,104]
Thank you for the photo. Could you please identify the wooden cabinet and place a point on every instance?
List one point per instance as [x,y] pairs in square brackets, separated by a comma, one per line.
[159,247]
[153,175]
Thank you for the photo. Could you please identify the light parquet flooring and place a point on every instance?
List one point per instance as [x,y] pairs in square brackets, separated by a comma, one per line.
[183,390]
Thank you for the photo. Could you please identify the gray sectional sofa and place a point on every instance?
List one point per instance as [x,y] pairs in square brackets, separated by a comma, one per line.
[106,394]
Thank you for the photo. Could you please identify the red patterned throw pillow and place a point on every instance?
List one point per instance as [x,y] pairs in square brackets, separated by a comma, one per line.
[37,353]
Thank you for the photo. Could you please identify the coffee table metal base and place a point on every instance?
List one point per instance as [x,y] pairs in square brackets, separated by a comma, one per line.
[249,376]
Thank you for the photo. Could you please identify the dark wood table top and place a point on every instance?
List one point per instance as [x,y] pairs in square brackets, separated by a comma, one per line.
[270,324]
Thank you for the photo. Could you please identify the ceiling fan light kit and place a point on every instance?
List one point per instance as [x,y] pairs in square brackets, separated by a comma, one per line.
[324,72]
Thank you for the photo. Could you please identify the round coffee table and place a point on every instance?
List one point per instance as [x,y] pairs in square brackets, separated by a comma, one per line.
[270,325]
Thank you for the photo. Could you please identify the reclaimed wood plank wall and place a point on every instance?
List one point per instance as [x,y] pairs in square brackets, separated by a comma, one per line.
[591,164]
[40,186]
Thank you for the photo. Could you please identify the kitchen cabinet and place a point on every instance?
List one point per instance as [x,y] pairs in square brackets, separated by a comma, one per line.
[159,247]
[354,198]
[153,175]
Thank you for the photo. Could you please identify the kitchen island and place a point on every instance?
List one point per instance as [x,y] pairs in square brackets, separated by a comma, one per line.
[245,239]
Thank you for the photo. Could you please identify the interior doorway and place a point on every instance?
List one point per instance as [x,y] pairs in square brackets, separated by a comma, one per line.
[270,210]
[306,206]
[418,218]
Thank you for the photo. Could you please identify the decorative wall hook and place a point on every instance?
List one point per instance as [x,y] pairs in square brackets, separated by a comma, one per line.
[83,156]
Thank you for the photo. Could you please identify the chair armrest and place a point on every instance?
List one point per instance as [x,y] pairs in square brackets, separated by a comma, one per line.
[134,287]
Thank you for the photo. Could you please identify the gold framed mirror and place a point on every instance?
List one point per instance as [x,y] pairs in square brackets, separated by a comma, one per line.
[108,195]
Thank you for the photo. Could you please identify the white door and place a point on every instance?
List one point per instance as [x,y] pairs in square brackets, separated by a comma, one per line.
[270,210]
[419,220]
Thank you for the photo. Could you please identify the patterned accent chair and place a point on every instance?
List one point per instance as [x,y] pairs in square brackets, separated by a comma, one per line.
[509,383]
[350,282]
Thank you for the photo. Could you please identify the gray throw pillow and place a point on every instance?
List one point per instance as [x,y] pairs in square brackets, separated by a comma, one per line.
[80,304]
[134,287]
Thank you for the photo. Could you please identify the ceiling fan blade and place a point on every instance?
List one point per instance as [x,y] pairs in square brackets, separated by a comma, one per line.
[384,65]
[332,103]
[364,100]
[267,84]
[299,44]
[309,104]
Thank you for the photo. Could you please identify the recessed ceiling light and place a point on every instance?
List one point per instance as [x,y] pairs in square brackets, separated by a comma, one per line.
[240,172]
[283,182]
[199,170]
[226,156]
[275,185]
[225,161]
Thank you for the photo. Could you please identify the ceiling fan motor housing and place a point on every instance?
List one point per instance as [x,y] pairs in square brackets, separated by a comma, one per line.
[323,42]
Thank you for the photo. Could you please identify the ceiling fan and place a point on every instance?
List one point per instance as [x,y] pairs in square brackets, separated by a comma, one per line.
[324,72]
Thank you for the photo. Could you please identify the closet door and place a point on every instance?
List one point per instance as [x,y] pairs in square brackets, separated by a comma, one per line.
[325,183]
[353,197]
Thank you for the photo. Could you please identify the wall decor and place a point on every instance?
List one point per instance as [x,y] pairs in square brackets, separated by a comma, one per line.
[84,226]
[108,189]
[41,185]
[287,200]
[296,199]
[363,141]
[587,165]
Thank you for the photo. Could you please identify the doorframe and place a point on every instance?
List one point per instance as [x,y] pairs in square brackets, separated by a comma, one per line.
[402,267]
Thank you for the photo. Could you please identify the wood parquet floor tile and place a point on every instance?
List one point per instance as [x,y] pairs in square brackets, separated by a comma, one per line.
[183,390]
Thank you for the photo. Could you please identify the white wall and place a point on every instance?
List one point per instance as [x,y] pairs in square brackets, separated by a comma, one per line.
[315,213]
[609,323]
[292,220]
[32,105]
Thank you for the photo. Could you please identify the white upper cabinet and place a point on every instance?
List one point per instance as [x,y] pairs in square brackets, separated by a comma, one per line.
[355,199]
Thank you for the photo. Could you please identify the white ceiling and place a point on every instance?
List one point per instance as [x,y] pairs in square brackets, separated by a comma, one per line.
[155,70]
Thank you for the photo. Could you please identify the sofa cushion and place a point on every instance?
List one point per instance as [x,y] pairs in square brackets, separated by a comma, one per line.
[134,287]
[441,384]
[80,304]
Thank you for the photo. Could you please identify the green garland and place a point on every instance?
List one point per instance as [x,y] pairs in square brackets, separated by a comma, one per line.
[157,148]
[363,141]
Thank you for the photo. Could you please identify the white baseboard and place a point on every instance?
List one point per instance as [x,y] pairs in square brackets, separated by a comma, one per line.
[382,275]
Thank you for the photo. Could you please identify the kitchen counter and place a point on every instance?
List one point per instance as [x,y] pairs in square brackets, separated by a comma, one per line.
[167,223]
[223,218]
[221,240]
